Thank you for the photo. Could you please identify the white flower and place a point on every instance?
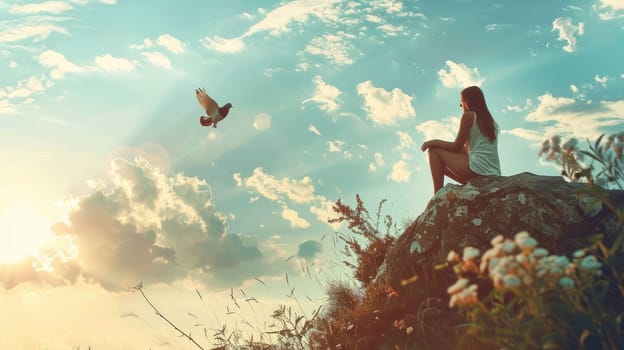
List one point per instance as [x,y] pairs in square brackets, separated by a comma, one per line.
[470,253]
[510,281]
[452,256]
[590,263]
[525,241]
[521,258]
[497,240]
[509,246]
[562,262]
[458,286]
[579,254]
[540,252]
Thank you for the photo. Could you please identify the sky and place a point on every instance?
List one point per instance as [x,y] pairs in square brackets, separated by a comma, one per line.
[108,180]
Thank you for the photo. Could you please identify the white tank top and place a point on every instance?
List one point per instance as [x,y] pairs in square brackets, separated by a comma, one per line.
[483,154]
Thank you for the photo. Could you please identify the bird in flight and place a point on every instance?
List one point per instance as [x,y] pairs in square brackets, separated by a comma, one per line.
[214,113]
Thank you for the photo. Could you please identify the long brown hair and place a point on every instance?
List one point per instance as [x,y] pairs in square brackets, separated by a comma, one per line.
[476,102]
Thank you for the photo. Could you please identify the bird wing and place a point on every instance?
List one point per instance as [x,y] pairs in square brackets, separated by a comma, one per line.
[210,106]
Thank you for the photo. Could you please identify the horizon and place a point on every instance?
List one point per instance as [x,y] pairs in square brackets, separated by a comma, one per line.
[107,178]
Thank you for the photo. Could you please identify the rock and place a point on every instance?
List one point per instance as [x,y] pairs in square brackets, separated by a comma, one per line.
[549,208]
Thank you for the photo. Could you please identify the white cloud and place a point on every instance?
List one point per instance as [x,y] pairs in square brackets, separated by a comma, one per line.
[400,172]
[262,121]
[24,88]
[157,59]
[567,117]
[459,75]
[433,129]
[147,226]
[610,9]
[220,44]
[147,43]
[567,31]
[334,47]
[299,191]
[279,20]
[53,7]
[391,6]
[601,80]
[59,64]
[314,130]
[405,141]
[323,209]
[13,64]
[325,95]
[170,43]
[276,22]
[5,106]
[377,163]
[37,32]
[280,190]
[574,89]
[385,107]
[293,218]
[112,64]
[374,19]
[391,30]
[335,146]
[527,134]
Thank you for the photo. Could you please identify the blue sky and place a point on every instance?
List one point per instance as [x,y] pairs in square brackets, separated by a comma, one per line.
[101,140]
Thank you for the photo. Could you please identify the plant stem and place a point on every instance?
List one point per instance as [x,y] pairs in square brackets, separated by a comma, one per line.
[187,336]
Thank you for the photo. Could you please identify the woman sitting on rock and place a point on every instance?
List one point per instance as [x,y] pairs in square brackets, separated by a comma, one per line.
[475,149]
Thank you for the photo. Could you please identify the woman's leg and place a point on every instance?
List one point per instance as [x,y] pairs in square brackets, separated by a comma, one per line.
[452,164]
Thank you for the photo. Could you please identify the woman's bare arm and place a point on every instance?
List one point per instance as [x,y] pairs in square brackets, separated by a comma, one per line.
[460,140]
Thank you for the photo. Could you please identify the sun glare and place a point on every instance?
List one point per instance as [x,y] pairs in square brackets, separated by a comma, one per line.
[23,232]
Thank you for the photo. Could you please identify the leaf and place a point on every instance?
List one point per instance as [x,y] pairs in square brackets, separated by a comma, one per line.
[598,141]
[591,155]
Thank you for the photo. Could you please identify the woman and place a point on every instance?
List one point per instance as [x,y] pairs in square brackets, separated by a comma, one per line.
[475,149]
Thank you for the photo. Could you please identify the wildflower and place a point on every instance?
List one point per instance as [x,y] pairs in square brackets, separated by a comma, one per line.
[485,260]
[521,259]
[527,280]
[540,252]
[525,241]
[497,240]
[509,246]
[458,286]
[511,281]
[566,282]
[467,296]
[562,261]
[498,281]
[409,330]
[452,256]
[551,265]
[579,254]
[570,269]
[470,253]
[590,263]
